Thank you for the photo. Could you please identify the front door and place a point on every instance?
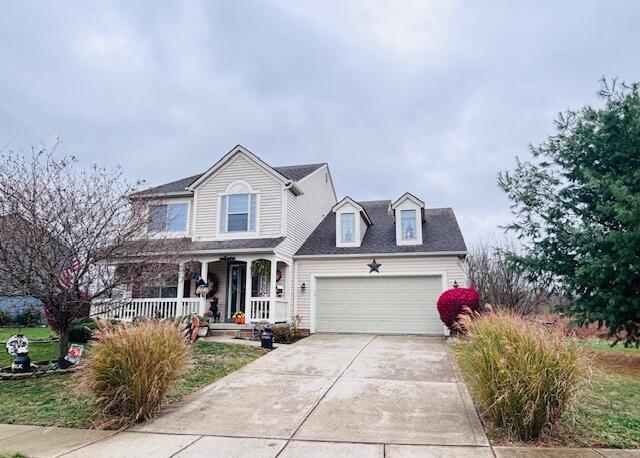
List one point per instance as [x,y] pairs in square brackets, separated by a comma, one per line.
[236,290]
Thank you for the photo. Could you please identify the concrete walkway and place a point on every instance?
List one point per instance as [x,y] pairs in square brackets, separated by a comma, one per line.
[327,395]
[41,442]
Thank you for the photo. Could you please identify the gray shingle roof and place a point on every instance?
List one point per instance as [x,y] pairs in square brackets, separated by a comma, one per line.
[440,233]
[185,245]
[174,187]
[291,172]
[297,172]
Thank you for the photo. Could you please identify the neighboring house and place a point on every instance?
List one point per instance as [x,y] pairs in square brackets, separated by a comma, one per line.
[344,266]
[13,301]
[15,306]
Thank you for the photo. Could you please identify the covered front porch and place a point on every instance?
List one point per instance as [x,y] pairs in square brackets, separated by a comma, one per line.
[217,287]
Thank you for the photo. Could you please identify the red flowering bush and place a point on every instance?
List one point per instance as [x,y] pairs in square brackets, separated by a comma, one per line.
[456,302]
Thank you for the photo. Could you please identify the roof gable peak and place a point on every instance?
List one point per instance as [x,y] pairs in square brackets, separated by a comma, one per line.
[237,151]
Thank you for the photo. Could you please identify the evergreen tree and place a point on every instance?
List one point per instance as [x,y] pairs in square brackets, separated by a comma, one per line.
[577,207]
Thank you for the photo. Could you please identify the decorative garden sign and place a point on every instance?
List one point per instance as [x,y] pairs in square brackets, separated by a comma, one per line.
[74,353]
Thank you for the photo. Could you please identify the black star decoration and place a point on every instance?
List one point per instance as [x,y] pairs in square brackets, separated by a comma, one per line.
[374,266]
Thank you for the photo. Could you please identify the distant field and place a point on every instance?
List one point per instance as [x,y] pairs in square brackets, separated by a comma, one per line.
[31,333]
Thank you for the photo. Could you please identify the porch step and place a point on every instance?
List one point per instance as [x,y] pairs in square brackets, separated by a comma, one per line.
[222,332]
[229,326]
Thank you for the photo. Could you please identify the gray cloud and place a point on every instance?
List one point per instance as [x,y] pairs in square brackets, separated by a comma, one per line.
[430,97]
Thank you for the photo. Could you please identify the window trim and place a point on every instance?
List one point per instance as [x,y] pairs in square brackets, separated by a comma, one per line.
[168,234]
[238,234]
[227,212]
[408,205]
[357,232]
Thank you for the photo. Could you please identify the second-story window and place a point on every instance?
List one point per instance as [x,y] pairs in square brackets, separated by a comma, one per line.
[347,227]
[238,213]
[168,217]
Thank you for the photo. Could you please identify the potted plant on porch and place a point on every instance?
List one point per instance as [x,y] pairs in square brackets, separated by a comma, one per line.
[239,317]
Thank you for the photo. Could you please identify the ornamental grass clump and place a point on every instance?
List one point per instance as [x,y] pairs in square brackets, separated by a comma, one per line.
[130,369]
[521,375]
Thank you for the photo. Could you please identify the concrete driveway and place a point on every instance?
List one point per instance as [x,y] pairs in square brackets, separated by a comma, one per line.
[334,395]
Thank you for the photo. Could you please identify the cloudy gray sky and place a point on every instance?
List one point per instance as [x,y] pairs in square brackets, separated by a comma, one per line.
[432,97]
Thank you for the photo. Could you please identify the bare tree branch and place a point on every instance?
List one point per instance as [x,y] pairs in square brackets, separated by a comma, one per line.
[56,215]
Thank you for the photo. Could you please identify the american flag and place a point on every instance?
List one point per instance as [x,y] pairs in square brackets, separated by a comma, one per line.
[67,276]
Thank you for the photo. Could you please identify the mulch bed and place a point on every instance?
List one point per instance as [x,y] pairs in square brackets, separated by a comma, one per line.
[45,369]
[622,363]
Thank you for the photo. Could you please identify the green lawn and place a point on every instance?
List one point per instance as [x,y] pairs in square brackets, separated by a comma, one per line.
[45,401]
[608,414]
[31,333]
[60,401]
[214,360]
[605,345]
[37,352]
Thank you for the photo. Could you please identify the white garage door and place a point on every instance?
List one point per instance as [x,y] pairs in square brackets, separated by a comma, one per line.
[378,304]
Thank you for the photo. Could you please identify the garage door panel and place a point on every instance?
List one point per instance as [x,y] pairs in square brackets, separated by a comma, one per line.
[378,304]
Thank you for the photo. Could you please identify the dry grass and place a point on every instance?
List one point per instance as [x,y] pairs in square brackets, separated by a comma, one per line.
[521,375]
[130,369]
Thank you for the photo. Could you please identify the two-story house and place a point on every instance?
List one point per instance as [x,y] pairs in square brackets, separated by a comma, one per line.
[274,243]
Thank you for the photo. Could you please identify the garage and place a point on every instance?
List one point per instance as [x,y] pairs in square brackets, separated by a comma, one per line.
[380,304]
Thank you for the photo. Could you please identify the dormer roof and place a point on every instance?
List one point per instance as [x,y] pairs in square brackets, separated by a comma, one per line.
[407,196]
[353,203]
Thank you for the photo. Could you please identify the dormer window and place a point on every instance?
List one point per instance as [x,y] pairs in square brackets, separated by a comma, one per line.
[351,223]
[347,227]
[408,213]
[408,224]
[238,210]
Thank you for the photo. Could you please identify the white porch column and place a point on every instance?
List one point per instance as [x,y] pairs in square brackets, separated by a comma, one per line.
[180,294]
[247,294]
[204,273]
[272,290]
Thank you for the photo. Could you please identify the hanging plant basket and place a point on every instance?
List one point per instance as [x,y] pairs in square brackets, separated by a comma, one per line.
[261,268]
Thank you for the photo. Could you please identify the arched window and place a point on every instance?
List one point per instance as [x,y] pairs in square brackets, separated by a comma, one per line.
[238,208]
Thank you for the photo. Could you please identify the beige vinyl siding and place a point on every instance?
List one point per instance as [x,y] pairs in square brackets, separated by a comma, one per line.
[306,211]
[239,168]
[306,268]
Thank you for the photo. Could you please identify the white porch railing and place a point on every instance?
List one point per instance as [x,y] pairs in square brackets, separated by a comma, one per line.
[281,311]
[261,309]
[127,310]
